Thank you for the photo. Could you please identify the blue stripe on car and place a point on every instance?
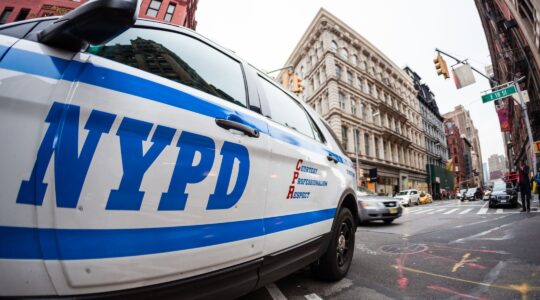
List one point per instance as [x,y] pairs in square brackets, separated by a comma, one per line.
[51,67]
[77,244]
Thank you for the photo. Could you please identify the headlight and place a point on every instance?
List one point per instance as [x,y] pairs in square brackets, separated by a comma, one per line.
[370,204]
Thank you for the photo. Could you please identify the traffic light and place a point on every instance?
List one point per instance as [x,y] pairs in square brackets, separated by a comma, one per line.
[441,67]
[285,79]
[297,84]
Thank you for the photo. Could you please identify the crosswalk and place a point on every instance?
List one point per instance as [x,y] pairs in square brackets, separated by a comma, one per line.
[460,210]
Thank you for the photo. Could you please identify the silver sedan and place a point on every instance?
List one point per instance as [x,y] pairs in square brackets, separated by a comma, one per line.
[372,208]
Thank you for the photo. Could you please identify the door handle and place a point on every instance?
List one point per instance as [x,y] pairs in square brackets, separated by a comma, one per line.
[331,158]
[229,124]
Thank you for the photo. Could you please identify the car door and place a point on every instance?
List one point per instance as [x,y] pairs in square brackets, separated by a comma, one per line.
[161,163]
[303,189]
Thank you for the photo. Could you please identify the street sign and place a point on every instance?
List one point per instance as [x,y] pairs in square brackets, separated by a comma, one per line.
[507,91]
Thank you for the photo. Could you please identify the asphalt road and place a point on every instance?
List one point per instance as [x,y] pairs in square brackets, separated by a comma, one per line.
[444,250]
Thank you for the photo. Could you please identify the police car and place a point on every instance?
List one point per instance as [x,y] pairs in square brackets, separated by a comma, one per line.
[140,159]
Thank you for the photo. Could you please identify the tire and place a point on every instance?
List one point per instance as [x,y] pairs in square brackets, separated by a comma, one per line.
[334,264]
[388,221]
[490,205]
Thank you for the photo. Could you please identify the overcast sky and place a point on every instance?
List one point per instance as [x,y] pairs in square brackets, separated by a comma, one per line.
[265,33]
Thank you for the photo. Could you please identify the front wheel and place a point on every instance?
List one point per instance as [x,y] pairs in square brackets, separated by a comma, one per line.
[335,263]
[388,221]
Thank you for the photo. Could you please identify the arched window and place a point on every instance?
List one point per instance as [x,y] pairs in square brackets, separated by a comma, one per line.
[344,54]
[354,59]
[333,46]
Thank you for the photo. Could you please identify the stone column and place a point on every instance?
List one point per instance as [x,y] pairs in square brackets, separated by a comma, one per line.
[362,147]
[381,148]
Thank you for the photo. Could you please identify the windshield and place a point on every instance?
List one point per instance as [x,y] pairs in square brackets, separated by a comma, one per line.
[499,186]
[463,190]
[402,193]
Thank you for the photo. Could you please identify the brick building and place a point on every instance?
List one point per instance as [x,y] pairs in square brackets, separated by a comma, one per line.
[179,12]
[455,150]
[512,29]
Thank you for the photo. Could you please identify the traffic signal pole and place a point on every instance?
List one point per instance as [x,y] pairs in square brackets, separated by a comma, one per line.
[464,62]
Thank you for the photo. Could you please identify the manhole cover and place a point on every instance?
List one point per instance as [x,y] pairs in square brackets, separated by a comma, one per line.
[403,249]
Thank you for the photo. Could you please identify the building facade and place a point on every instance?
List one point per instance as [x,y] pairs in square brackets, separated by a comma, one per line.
[462,119]
[497,166]
[512,29]
[179,12]
[435,139]
[369,102]
[456,151]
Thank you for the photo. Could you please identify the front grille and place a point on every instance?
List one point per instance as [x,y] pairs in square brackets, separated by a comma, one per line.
[505,197]
[390,204]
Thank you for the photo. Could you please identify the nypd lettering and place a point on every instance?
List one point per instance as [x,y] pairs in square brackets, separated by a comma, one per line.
[71,168]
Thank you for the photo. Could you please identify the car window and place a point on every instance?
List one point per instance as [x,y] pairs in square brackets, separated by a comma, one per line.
[180,58]
[401,193]
[17,30]
[32,35]
[285,110]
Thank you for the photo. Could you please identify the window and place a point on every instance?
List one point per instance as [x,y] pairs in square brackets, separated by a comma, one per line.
[366,143]
[287,111]
[349,77]
[23,13]
[19,30]
[341,101]
[338,71]
[5,14]
[353,106]
[333,46]
[170,12]
[153,8]
[344,54]
[344,137]
[179,58]
[377,147]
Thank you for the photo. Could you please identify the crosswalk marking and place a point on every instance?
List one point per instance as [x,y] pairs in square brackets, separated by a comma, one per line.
[436,211]
[450,211]
[499,211]
[466,211]
[422,211]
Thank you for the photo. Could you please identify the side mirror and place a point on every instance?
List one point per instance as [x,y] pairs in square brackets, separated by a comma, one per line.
[95,22]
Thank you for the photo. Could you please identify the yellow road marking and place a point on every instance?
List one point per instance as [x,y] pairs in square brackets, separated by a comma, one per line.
[523,288]
[463,261]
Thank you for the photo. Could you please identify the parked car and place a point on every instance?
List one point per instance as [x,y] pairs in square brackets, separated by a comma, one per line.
[503,194]
[470,194]
[408,197]
[461,194]
[373,207]
[425,198]
[144,160]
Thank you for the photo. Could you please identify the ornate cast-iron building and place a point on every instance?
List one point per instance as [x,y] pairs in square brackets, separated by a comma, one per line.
[369,102]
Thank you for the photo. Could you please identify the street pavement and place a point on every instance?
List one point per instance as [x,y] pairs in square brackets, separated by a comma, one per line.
[445,250]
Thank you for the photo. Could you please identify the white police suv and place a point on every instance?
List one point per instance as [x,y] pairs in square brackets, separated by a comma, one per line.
[139,159]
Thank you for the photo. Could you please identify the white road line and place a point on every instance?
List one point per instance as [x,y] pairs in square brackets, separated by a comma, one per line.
[436,211]
[313,297]
[466,211]
[275,292]
[499,211]
[450,211]
[422,211]
[483,210]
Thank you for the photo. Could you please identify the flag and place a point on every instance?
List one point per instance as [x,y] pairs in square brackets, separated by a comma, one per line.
[450,164]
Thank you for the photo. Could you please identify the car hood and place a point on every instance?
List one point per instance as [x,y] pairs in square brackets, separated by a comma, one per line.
[499,193]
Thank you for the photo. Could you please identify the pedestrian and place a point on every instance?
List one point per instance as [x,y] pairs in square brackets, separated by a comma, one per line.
[536,181]
[524,187]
